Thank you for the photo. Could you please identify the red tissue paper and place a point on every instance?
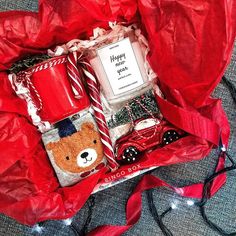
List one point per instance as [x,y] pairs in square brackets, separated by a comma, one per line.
[191,44]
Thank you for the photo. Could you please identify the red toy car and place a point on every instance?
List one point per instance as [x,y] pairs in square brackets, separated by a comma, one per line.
[147,134]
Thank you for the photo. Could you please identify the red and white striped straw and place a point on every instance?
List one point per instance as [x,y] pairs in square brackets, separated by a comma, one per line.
[94,93]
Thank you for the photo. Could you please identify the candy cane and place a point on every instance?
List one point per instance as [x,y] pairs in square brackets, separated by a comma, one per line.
[99,116]
[74,75]
[25,77]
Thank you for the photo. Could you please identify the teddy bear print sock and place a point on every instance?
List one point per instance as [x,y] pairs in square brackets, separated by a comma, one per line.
[74,148]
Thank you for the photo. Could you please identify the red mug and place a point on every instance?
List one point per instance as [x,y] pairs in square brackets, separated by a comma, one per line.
[50,84]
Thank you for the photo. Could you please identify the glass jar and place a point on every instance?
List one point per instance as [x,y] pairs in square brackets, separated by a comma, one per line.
[118,62]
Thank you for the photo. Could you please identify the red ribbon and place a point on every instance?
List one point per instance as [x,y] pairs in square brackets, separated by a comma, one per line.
[134,204]
[197,124]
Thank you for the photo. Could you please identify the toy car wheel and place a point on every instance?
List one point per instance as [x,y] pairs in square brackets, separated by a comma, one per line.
[170,136]
[130,155]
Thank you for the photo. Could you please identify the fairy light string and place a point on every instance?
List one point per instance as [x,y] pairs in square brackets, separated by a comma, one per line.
[208,181]
[201,204]
[206,195]
[206,188]
[158,218]
[91,204]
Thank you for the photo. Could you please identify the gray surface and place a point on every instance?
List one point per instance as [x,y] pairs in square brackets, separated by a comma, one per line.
[28,5]
[185,220]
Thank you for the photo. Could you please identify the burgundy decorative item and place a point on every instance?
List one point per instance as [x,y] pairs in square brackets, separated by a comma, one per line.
[147,134]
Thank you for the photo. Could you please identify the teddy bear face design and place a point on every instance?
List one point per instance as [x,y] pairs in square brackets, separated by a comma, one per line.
[79,152]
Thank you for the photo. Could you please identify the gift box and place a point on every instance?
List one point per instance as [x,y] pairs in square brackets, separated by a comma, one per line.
[190,47]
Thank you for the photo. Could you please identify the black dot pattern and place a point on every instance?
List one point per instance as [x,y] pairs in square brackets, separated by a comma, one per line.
[170,136]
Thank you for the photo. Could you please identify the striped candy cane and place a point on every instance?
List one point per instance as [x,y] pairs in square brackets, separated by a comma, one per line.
[99,116]
[74,75]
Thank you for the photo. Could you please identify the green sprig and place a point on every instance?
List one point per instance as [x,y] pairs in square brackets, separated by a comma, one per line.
[28,62]
[122,116]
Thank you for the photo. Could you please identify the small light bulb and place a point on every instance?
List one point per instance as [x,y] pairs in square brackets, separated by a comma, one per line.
[190,202]
[173,206]
[37,228]
[67,221]
[223,149]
